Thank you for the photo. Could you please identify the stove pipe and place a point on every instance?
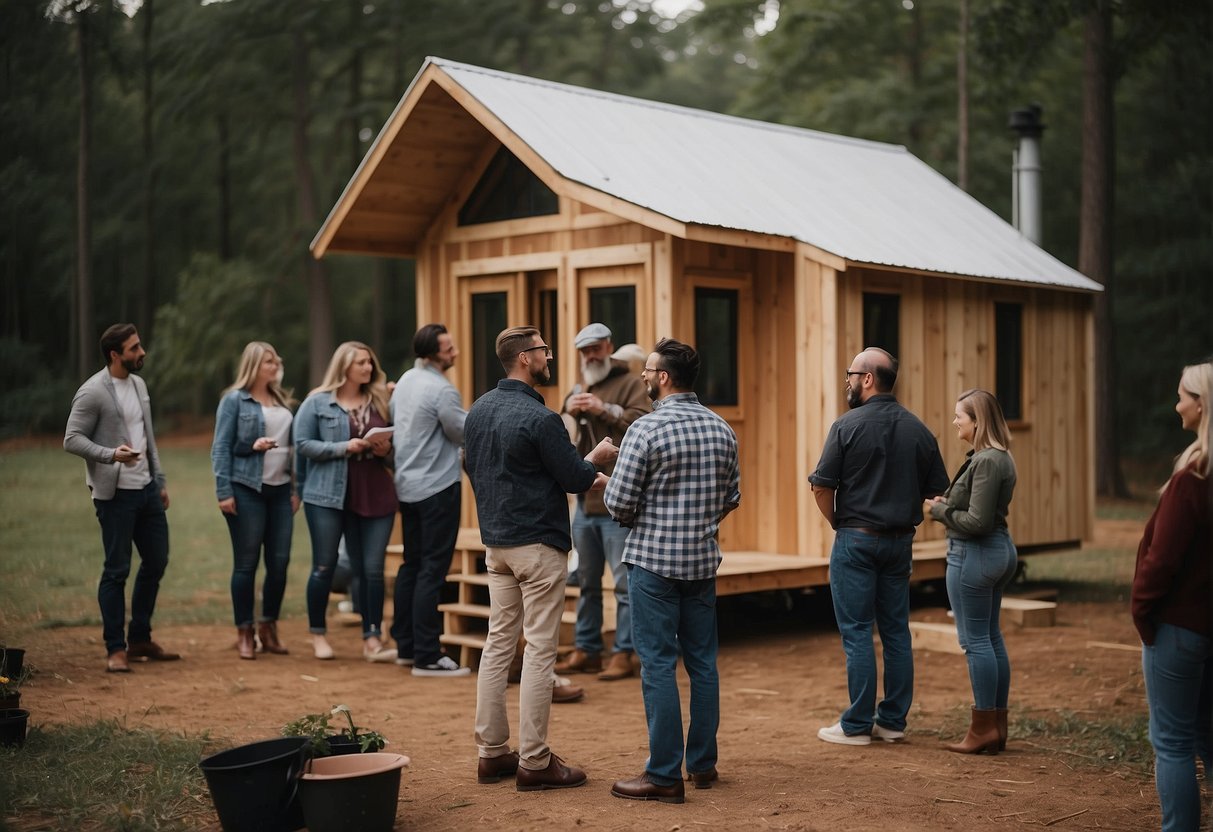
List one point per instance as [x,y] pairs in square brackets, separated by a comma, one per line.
[1026,196]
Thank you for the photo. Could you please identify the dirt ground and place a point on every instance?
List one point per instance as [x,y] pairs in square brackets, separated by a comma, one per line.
[778,686]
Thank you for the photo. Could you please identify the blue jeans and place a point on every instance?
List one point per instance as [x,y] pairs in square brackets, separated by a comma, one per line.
[668,615]
[430,528]
[1178,670]
[262,519]
[366,542]
[870,582]
[978,572]
[599,540]
[133,516]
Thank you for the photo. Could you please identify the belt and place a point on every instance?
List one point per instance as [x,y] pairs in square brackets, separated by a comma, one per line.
[884,532]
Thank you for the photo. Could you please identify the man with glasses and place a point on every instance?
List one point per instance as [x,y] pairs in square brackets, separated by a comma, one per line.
[522,467]
[676,479]
[608,400]
[878,465]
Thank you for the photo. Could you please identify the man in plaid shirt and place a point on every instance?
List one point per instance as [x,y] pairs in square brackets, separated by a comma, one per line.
[676,478]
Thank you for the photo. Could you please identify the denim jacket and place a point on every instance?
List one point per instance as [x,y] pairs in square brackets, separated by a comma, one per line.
[321,434]
[238,424]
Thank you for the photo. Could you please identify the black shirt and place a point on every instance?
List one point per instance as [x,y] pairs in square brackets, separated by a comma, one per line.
[522,466]
[881,462]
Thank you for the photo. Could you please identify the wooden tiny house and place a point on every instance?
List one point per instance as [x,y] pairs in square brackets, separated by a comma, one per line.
[778,252]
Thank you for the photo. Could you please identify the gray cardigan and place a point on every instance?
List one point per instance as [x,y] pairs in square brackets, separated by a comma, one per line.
[95,429]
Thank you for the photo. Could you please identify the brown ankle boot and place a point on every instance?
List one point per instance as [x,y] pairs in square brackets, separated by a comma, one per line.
[580,662]
[267,633]
[982,736]
[1000,718]
[619,668]
[244,643]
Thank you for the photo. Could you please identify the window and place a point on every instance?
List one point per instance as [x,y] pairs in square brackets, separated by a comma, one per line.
[548,321]
[882,321]
[615,306]
[508,190]
[489,310]
[716,336]
[1008,359]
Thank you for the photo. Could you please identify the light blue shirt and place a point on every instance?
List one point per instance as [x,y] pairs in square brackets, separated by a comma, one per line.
[427,417]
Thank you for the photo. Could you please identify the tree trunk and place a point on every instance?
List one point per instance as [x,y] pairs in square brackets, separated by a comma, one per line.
[962,99]
[319,296]
[147,298]
[86,357]
[224,176]
[1095,234]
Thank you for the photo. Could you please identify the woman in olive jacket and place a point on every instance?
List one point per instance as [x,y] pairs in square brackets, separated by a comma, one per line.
[981,562]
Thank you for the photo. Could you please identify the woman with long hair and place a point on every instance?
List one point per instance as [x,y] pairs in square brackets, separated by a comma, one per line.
[1173,612]
[251,459]
[981,562]
[342,466]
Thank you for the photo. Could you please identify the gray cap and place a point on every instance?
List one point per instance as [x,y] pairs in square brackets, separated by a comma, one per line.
[592,334]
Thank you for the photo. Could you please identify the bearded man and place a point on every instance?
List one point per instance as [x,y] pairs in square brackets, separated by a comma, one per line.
[608,400]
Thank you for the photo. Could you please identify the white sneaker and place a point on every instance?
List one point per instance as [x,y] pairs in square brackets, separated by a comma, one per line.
[404,661]
[444,667]
[879,732]
[835,734]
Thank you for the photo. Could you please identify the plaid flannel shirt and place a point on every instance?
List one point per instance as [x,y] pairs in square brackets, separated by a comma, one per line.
[676,478]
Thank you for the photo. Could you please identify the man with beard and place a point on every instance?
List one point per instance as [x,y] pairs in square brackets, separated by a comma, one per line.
[607,401]
[427,419]
[522,467]
[110,426]
[878,465]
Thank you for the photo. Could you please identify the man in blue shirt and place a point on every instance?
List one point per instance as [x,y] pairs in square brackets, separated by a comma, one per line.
[878,465]
[522,467]
[676,478]
[427,424]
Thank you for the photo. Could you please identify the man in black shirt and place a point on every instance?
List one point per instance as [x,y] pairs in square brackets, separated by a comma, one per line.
[522,466]
[878,466]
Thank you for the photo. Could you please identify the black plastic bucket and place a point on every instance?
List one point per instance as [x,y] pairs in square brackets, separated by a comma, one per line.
[12,662]
[13,723]
[254,787]
[352,794]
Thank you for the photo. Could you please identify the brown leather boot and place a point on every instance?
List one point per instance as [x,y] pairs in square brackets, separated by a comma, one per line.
[580,662]
[244,643]
[982,735]
[619,668]
[1000,718]
[267,633]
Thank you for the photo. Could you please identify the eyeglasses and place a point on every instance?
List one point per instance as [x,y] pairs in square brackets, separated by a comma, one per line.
[655,370]
[850,373]
[546,350]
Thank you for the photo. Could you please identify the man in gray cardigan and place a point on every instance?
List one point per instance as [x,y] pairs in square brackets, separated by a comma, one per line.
[110,426]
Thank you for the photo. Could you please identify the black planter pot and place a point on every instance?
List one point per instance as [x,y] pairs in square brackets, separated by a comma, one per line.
[13,724]
[10,702]
[12,662]
[342,744]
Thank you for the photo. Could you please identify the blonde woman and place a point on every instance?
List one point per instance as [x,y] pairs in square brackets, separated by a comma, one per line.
[251,460]
[347,489]
[1173,614]
[981,562]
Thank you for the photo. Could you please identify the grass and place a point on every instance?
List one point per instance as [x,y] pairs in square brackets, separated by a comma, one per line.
[102,776]
[52,544]
[1081,574]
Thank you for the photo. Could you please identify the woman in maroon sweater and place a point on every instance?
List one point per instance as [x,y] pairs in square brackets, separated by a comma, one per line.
[1173,612]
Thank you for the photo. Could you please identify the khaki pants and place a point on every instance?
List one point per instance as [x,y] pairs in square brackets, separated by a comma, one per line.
[526,596]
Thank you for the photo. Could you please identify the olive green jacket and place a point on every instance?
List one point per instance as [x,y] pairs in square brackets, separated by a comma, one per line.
[977,501]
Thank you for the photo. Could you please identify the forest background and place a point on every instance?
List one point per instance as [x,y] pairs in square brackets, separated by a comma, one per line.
[167,162]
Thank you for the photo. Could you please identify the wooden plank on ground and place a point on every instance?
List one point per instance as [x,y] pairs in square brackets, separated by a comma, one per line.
[928,635]
[1028,613]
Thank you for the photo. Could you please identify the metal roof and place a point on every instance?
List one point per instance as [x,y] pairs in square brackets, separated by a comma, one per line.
[867,202]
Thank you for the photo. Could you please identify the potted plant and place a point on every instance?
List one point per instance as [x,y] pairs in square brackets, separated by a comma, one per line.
[10,691]
[328,739]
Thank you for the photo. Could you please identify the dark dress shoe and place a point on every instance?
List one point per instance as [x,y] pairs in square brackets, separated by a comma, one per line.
[556,776]
[703,779]
[642,788]
[117,662]
[492,769]
[150,650]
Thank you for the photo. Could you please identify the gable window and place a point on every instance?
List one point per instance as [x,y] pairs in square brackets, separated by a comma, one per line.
[1008,359]
[615,306]
[716,337]
[508,190]
[882,321]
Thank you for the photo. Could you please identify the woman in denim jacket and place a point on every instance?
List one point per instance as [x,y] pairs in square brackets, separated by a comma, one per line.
[347,489]
[251,459]
[981,562]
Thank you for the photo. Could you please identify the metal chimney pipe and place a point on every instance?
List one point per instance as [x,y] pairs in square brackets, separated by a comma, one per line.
[1026,193]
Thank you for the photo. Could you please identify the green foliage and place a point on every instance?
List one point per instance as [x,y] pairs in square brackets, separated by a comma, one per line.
[103,776]
[317,728]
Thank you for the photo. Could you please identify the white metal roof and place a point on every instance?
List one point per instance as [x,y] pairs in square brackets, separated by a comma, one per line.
[867,202]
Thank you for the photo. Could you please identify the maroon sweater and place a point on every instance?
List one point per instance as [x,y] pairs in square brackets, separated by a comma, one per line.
[1171,583]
